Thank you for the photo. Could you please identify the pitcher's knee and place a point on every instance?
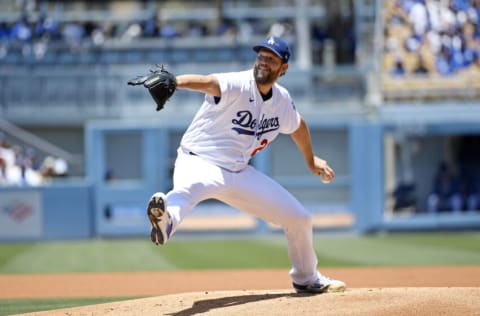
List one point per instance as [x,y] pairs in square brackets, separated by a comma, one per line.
[299,220]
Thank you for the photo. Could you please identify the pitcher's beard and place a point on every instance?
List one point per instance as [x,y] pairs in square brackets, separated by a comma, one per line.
[260,78]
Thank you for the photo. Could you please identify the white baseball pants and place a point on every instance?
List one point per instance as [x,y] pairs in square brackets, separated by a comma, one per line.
[251,191]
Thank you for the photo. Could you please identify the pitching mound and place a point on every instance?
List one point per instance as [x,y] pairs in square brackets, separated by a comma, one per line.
[357,301]
[372,291]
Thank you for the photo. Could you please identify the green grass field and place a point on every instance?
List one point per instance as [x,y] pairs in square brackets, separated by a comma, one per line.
[10,307]
[230,253]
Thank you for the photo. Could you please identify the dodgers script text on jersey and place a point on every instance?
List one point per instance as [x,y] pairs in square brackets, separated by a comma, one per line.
[248,124]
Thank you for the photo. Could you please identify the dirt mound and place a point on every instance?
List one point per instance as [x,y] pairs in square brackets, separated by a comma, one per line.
[371,291]
[357,301]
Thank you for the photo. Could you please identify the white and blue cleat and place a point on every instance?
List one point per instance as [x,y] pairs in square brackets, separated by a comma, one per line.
[322,285]
[159,218]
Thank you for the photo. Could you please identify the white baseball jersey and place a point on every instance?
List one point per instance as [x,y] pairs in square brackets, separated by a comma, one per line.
[229,133]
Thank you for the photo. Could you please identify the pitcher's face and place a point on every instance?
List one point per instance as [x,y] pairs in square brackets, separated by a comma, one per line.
[267,68]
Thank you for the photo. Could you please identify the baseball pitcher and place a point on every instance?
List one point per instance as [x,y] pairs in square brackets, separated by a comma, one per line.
[243,112]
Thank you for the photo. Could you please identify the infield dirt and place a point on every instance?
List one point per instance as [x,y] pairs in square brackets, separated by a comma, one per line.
[372,291]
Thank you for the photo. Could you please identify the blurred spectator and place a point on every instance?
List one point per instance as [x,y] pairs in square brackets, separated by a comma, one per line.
[53,168]
[443,65]
[471,194]
[134,30]
[21,30]
[420,68]
[109,175]
[398,69]
[405,196]
[97,35]
[3,172]
[25,162]
[43,31]
[6,151]
[445,195]
[11,172]
[7,163]
[246,28]
[196,29]
[149,28]
[46,28]
[282,28]
[4,31]
[73,34]
[418,18]
[227,29]
[168,30]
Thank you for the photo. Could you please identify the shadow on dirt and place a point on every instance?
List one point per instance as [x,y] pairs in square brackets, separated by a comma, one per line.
[204,306]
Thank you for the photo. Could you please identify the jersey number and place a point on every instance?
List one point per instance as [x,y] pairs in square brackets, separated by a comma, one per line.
[263,144]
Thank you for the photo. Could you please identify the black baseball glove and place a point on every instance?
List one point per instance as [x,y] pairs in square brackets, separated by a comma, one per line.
[160,83]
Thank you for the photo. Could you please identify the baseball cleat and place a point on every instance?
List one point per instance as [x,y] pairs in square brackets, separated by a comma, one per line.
[322,285]
[315,288]
[159,218]
[332,285]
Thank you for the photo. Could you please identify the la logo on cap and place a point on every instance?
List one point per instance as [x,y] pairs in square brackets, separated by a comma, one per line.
[271,41]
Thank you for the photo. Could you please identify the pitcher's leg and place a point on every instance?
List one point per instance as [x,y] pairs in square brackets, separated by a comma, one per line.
[257,194]
[194,180]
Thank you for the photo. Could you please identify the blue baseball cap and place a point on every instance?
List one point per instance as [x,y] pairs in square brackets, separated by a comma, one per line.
[276,45]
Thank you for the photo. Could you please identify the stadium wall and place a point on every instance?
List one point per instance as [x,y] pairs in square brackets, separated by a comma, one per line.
[112,204]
